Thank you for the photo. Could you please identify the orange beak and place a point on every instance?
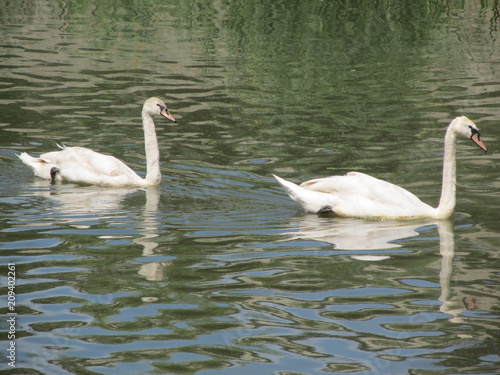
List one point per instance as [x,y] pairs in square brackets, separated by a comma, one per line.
[477,140]
[165,113]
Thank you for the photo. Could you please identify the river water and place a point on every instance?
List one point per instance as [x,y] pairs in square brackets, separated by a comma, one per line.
[217,271]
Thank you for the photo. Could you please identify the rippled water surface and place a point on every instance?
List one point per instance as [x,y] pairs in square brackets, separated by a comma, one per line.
[217,271]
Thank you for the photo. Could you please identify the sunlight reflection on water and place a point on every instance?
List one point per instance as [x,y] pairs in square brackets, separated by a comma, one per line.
[217,270]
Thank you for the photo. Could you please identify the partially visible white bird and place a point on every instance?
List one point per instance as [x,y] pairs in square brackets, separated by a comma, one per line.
[359,195]
[79,164]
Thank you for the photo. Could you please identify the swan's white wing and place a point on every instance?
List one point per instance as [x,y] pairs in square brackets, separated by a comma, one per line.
[79,164]
[355,183]
[361,195]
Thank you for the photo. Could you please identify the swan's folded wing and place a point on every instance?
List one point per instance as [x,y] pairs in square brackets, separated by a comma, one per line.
[84,165]
[351,182]
[363,186]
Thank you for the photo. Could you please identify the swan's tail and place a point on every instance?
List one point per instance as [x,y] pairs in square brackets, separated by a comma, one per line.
[26,159]
[310,200]
[41,168]
[291,189]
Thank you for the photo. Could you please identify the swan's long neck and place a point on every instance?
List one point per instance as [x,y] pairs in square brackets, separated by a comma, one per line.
[447,201]
[153,175]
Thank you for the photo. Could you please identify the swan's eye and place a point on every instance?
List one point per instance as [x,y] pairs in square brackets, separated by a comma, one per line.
[473,130]
[161,107]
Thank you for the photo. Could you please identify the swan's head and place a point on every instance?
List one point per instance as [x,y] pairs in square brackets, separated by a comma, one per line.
[155,106]
[465,127]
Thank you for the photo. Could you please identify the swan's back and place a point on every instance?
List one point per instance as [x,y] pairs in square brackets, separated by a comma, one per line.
[360,184]
[79,164]
[359,195]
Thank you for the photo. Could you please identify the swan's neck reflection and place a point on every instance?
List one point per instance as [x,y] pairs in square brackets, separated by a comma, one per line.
[362,235]
[77,203]
[150,226]
[447,250]
[152,271]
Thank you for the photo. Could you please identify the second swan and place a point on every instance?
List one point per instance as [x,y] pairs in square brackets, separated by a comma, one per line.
[360,195]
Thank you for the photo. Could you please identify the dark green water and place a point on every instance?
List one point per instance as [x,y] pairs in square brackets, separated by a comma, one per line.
[218,271]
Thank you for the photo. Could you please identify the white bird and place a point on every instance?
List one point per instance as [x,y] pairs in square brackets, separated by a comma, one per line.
[360,195]
[79,164]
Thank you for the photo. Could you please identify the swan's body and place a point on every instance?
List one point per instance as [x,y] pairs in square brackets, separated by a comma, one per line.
[79,164]
[359,195]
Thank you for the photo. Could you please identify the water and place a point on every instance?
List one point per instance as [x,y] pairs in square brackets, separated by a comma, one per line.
[217,271]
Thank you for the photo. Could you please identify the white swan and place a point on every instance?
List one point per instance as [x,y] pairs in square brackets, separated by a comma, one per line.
[79,164]
[359,195]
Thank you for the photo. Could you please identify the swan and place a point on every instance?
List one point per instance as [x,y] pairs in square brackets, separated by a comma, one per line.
[79,164]
[360,195]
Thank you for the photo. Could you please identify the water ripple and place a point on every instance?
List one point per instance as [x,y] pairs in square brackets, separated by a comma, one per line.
[217,270]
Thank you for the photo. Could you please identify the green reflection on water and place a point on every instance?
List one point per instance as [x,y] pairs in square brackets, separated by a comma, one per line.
[205,278]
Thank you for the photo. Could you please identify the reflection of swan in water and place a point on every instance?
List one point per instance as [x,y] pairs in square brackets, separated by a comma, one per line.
[447,250]
[357,234]
[152,271]
[76,203]
[77,199]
